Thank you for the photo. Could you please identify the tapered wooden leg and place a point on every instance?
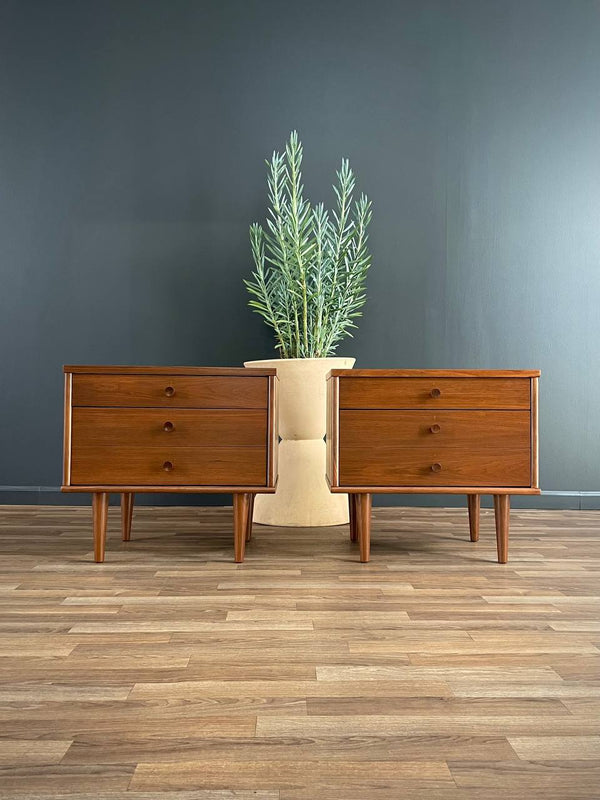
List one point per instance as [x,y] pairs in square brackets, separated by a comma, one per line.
[100,514]
[353,517]
[363,512]
[127,500]
[502,511]
[474,503]
[250,513]
[240,525]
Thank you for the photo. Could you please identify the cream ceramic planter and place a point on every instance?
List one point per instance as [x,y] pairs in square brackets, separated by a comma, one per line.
[303,497]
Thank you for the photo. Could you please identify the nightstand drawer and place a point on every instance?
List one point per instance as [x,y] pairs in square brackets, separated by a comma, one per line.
[381,465]
[435,393]
[469,430]
[175,391]
[150,427]
[168,466]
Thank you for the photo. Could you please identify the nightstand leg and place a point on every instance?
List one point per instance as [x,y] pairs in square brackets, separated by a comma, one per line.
[127,500]
[363,512]
[353,517]
[250,514]
[100,514]
[474,503]
[240,525]
[502,511]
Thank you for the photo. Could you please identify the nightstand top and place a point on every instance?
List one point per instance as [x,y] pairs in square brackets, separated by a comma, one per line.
[245,372]
[434,373]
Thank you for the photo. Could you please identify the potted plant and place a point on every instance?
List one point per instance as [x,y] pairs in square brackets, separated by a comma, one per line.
[308,285]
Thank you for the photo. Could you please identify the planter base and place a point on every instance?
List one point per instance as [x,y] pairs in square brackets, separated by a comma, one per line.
[303,498]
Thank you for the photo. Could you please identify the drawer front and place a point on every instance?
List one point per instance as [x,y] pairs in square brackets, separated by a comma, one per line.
[166,466]
[435,393]
[149,427]
[177,391]
[468,430]
[381,465]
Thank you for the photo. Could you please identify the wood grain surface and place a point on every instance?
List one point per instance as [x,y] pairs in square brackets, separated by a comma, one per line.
[448,429]
[171,673]
[169,391]
[121,369]
[151,427]
[375,464]
[435,393]
[168,465]
[429,373]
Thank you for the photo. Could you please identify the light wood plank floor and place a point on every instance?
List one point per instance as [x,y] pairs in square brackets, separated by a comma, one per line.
[168,672]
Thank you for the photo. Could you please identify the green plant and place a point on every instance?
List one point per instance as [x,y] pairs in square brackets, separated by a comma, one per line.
[310,265]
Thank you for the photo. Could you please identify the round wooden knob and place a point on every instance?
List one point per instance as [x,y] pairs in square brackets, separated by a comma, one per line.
[167,466]
[437,467]
[435,392]
[435,428]
[168,427]
[169,391]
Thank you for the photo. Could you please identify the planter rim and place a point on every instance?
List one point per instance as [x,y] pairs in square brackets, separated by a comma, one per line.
[304,360]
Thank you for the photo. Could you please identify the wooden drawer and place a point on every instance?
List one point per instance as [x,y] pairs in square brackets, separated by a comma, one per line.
[435,393]
[168,466]
[380,465]
[149,427]
[498,430]
[175,391]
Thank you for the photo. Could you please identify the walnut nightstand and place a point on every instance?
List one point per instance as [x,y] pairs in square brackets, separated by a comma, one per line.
[467,432]
[169,429]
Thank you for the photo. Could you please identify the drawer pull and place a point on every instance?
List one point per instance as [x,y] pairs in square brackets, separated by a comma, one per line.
[168,427]
[169,391]
[167,466]
[435,428]
[436,392]
[437,467]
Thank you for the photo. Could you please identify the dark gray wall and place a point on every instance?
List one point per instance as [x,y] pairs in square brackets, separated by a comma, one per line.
[133,135]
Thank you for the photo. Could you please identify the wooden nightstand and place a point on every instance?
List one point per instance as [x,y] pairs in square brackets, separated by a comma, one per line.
[170,429]
[467,432]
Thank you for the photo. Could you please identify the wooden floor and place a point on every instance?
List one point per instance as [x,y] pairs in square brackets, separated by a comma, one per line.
[431,673]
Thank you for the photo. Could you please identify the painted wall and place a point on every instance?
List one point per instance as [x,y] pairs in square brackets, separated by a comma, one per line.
[132,139]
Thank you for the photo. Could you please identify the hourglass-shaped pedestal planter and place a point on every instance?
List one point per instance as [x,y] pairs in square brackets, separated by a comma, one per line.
[302,498]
